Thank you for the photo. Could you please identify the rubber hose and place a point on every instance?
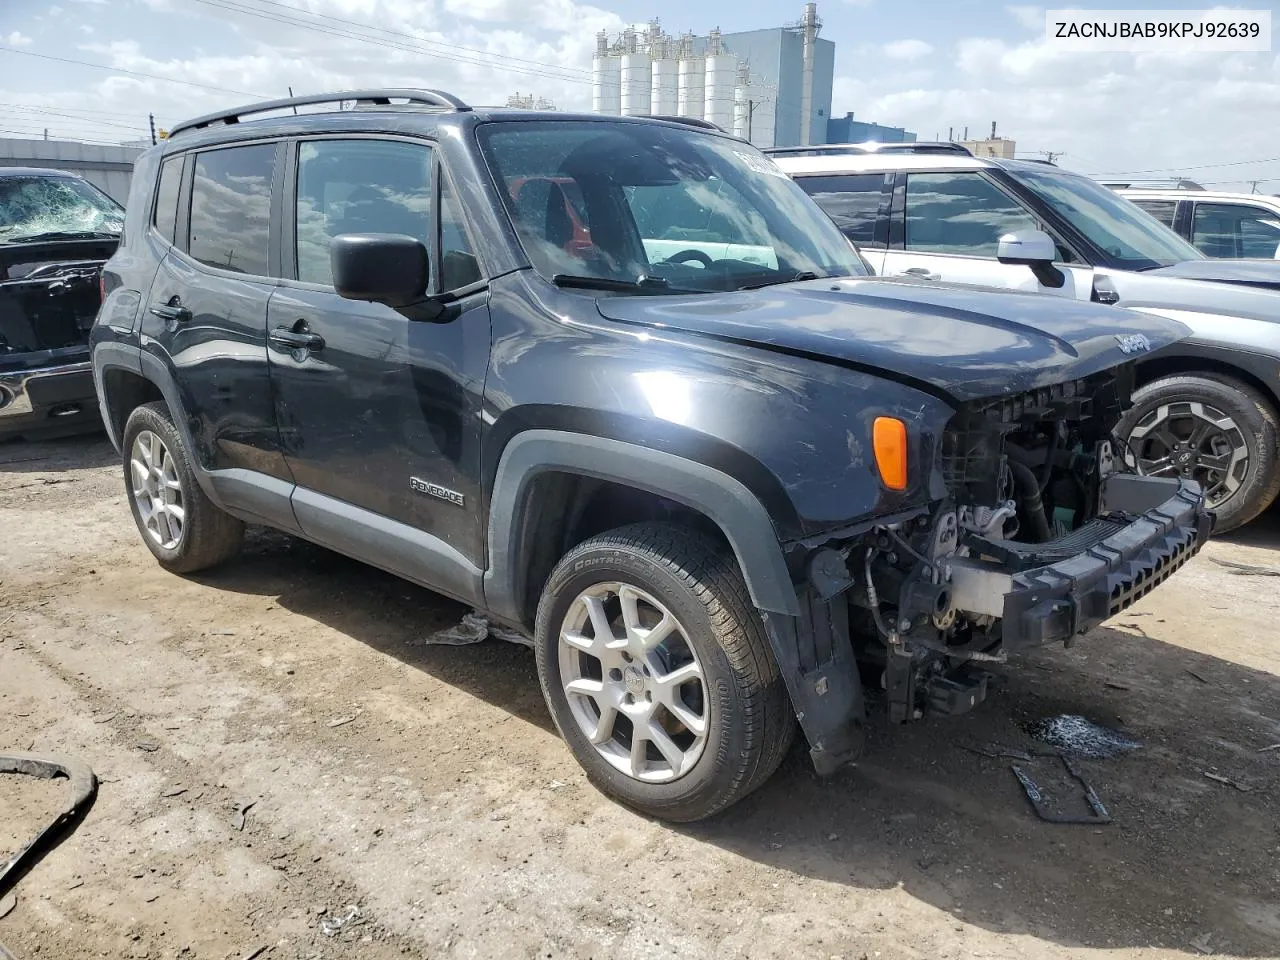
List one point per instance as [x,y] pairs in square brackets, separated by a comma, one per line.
[1029,501]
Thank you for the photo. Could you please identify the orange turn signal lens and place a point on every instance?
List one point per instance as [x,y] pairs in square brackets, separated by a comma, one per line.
[889,437]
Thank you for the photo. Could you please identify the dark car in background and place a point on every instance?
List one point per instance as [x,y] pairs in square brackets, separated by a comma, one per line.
[56,232]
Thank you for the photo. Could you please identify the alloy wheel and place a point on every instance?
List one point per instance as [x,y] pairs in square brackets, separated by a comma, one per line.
[1195,440]
[156,489]
[633,682]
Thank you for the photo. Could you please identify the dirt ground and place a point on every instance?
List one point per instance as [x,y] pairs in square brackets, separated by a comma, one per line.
[279,755]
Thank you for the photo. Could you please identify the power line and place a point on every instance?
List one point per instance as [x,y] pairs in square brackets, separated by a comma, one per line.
[132,73]
[398,34]
[1203,166]
[78,119]
[415,46]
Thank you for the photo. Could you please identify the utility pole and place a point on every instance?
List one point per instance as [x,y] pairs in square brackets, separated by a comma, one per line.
[1253,186]
[151,117]
[1052,155]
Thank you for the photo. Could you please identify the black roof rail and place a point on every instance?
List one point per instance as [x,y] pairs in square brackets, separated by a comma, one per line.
[687,121]
[870,147]
[434,98]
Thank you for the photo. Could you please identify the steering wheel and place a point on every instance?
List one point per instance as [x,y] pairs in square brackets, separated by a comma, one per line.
[686,255]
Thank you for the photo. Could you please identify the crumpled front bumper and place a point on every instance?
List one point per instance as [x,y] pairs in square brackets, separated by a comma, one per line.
[1149,528]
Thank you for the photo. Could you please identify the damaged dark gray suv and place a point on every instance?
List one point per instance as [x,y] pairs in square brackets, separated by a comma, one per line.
[56,231]
[622,386]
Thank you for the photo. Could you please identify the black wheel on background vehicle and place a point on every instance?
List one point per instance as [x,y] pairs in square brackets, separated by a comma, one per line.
[657,671]
[182,527]
[1213,429]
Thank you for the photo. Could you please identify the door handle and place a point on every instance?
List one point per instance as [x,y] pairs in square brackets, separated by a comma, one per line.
[922,272]
[296,339]
[173,311]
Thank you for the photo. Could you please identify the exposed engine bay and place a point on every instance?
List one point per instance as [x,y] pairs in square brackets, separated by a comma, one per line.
[1038,534]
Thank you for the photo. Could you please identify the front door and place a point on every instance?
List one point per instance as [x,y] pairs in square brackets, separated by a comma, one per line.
[947,226]
[380,417]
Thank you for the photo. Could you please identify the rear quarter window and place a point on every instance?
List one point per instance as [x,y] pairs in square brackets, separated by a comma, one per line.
[165,215]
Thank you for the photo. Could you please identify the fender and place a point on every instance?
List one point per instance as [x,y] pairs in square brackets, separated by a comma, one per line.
[727,502]
[809,638]
[1261,367]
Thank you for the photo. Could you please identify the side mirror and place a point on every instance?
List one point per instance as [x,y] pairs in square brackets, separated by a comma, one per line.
[1035,249]
[388,268]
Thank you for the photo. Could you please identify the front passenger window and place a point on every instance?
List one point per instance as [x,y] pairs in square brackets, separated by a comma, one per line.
[960,213]
[358,186]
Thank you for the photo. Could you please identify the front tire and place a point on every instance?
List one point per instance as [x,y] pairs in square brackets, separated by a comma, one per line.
[181,526]
[1213,429]
[657,671]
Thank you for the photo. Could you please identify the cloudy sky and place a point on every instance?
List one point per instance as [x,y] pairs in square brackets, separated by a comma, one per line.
[94,69]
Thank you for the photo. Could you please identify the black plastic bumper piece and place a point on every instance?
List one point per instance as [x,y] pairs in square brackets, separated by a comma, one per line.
[1064,599]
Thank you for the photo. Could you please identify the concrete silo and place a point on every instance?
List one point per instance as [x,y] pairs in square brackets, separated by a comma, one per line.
[721,78]
[606,78]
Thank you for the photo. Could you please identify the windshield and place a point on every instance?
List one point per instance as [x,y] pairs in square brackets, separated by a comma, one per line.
[31,206]
[678,209]
[1136,240]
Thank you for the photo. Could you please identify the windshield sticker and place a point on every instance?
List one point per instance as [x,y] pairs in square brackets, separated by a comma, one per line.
[760,164]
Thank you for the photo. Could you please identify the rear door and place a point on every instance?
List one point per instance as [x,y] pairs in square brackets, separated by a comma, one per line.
[946,226]
[381,418]
[206,313]
[858,203]
[1235,230]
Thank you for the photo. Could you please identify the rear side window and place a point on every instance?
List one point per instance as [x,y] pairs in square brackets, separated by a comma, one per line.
[852,201]
[166,212]
[1236,230]
[960,213]
[231,208]
[1162,210]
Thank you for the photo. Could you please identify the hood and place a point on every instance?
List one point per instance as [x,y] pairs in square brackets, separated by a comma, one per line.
[961,342]
[1254,273]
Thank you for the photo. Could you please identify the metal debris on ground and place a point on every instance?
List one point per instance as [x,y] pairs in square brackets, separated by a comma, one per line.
[174,792]
[1246,569]
[474,627]
[1274,746]
[1218,778]
[1197,676]
[333,925]
[241,811]
[996,751]
[84,787]
[1076,735]
[256,952]
[340,721]
[1040,802]
[148,746]
[1116,686]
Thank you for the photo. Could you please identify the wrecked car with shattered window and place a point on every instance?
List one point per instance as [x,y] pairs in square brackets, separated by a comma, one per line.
[56,232]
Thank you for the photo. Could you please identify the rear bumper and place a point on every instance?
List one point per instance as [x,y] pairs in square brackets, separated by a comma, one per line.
[1153,527]
[48,398]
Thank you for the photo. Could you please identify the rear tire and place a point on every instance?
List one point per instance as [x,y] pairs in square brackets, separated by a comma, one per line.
[1227,434]
[677,752]
[181,526]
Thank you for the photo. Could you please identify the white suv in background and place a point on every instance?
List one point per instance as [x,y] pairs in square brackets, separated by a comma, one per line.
[934,213]
[1221,225]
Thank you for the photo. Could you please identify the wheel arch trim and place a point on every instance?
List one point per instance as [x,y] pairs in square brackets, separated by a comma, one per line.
[724,500]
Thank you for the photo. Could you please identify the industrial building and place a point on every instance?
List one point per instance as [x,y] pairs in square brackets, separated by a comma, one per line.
[848,130]
[772,87]
[109,168]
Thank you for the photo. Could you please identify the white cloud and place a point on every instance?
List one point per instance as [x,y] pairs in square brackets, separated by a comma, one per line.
[1110,113]
[17,39]
[1030,17]
[907,49]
